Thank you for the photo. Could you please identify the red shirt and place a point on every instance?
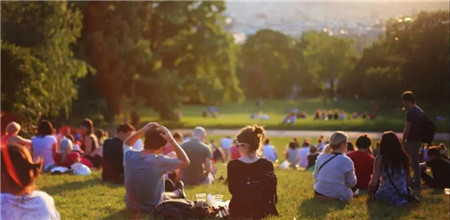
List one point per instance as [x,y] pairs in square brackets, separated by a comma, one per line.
[235,153]
[363,162]
[71,158]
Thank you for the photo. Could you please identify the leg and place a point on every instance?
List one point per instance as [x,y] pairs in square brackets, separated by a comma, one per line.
[413,149]
[169,186]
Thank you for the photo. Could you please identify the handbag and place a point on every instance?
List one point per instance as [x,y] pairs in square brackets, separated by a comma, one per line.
[409,197]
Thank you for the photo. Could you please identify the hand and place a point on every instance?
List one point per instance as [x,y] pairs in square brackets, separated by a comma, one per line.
[166,133]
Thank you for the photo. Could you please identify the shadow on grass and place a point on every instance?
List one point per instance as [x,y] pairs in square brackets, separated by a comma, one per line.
[380,210]
[313,208]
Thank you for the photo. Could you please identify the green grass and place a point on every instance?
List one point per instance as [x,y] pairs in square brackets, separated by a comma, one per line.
[86,197]
[234,116]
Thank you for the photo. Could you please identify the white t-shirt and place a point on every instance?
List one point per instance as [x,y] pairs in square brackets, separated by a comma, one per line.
[226,143]
[138,145]
[269,152]
[36,205]
[303,157]
[336,178]
[42,147]
[320,146]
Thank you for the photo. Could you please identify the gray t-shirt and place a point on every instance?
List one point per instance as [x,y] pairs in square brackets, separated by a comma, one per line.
[144,178]
[197,153]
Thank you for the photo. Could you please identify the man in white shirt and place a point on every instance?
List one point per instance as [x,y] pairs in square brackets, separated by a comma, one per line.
[269,151]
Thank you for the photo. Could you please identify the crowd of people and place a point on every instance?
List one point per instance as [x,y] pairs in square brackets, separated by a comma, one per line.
[156,169]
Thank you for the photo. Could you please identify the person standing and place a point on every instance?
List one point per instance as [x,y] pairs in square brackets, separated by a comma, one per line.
[412,134]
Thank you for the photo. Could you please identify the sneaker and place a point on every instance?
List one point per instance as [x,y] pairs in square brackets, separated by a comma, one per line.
[180,186]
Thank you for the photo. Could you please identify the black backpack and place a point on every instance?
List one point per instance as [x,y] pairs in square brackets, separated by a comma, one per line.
[428,130]
[181,209]
[257,196]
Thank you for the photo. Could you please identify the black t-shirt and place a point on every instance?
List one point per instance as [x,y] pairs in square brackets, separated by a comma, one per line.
[239,174]
[441,172]
[113,160]
[415,116]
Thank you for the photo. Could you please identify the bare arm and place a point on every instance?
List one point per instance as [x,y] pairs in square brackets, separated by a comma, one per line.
[373,184]
[181,155]
[208,165]
[136,135]
[87,146]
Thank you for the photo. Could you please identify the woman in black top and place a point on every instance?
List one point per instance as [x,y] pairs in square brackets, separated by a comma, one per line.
[251,179]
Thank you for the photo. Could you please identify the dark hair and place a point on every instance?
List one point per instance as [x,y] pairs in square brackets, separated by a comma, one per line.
[45,128]
[25,169]
[251,135]
[434,151]
[99,133]
[70,137]
[292,145]
[392,152]
[87,123]
[153,139]
[125,128]
[363,141]
[350,147]
[305,143]
[178,135]
[409,96]
[267,141]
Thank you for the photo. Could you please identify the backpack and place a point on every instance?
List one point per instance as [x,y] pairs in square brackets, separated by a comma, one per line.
[428,130]
[182,209]
[257,196]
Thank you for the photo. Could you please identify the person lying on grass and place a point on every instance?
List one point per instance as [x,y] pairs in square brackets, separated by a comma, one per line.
[334,172]
[18,198]
[144,170]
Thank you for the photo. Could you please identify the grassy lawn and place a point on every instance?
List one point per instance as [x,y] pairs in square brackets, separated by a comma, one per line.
[232,116]
[86,197]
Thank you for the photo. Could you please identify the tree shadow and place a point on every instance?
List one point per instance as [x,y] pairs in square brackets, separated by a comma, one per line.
[313,208]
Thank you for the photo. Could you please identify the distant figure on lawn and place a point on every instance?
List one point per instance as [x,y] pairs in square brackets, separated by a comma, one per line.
[200,171]
[312,157]
[350,147]
[18,198]
[113,154]
[412,134]
[89,142]
[44,144]
[363,161]
[440,168]
[12,137]
[226,143]
[251,179]
[334,174]
[144,170]
[291,154]
[66,157]
[303,154]
[390,172]
[269,151]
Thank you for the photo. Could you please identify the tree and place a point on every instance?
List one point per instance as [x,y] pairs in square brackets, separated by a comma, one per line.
[38,65]
[270,64]
[327,59]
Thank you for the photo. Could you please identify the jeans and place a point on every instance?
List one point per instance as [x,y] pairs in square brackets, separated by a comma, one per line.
[413,149]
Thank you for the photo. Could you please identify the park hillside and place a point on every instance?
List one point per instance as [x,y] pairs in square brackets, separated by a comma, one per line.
[170,61]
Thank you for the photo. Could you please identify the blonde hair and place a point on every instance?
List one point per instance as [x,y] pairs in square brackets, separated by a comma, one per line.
[337,138]
[13,127]
[66,147]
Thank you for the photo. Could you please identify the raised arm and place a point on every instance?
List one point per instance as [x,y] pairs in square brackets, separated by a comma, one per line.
[181,155]
[136,135]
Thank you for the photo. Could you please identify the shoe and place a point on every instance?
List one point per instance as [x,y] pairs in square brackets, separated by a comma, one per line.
[180,186]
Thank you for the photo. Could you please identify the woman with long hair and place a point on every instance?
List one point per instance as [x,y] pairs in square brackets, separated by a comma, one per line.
[19,199]
[89,142]
[44,144]
[251,179]
[390,172]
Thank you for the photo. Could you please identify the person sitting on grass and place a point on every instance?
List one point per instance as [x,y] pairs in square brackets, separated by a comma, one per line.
[113,154]
[334,173]
[67,157]
[292,154]
[44,145]
[19,199]
[269,151]
[201,170]
[89,142]
[390,172]
[144,170]
[303,154]
[363,161]
[440,168]
[251,179]
[12,137]
[312,157]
